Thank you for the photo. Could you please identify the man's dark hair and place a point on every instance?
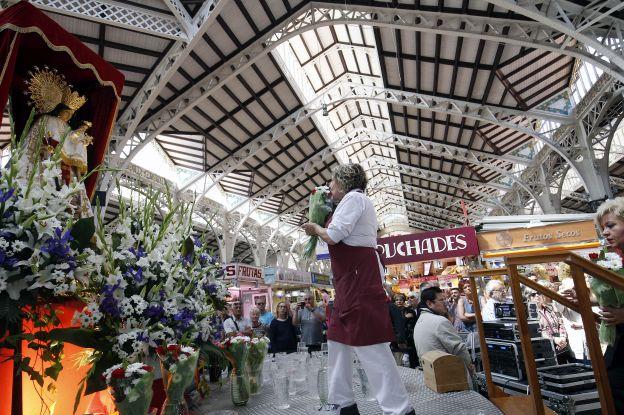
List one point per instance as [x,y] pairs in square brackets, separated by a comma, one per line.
[429,294]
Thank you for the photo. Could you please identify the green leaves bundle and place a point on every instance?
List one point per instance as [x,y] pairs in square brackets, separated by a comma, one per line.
[318,211]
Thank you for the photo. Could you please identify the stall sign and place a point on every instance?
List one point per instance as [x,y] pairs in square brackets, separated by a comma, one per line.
[270,273]
[289,275]
[558,233]
[243,272]
[320,279]
[426,246]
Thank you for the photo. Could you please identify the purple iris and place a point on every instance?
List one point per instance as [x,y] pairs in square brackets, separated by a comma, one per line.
[142,337]
[186,260]
[155,311]
[109,304]
[58,244]
[6,195]
[184,318]
[138,253]
[6,260]
[135,274]
[211,288]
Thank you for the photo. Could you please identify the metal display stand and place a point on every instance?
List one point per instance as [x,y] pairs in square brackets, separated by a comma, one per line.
[579,266]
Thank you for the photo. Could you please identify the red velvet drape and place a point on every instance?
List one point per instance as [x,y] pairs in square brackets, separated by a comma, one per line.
[29,38]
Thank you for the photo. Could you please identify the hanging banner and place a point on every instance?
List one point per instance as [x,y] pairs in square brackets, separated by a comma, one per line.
[279,274]
[243,272]
[426,246]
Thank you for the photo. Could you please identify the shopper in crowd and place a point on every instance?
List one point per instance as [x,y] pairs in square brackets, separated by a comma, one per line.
[360,321]
[310,319]
[257,328]
[573,323]
[399,345]
[433,331]
[282,333]
[412,299]
[265,315]
[236,323]
[551,324]
[497,293]
[410,314]
[451,303]
[465,316]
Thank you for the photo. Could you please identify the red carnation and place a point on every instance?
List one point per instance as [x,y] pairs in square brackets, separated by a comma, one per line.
[161,350]
[314,190]
[593,256]
[148,368]
[118,373]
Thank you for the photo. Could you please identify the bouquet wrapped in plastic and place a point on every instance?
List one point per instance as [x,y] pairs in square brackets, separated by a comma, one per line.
[178,365]
[258,349]
[318,210]
[131,387]
[236,350]
[606,295]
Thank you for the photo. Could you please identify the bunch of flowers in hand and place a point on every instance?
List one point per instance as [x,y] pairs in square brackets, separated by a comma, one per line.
[178,365]
[258,349]
[131,387]
[43,255]
[606,295]
[318,211]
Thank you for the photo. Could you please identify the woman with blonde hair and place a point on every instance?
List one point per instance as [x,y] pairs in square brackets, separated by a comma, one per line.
[610,220]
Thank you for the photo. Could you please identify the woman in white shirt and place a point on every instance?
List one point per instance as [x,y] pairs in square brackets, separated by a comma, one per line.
[360,321]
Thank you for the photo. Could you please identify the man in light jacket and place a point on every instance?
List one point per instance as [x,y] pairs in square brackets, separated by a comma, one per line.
[434,331]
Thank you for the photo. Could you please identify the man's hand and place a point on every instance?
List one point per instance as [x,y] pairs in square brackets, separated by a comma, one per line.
[561,342]
[612,316]
[311,228]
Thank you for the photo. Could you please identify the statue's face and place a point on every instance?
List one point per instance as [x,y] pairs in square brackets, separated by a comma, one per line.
[66,115]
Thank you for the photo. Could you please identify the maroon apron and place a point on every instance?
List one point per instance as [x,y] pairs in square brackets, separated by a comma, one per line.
[360,316]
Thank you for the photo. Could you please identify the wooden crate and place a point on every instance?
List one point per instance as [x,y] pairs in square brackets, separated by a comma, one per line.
[444,372]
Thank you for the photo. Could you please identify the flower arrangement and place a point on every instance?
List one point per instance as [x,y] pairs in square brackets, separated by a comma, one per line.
[154,284]
[318,211]
[236,350]
[178,365]
[131,387]
[43,255]
[606,295]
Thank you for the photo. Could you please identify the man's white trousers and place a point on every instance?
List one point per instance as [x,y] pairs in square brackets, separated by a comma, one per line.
[382,372]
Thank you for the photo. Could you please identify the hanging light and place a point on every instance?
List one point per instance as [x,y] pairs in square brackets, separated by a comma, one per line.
[324,108]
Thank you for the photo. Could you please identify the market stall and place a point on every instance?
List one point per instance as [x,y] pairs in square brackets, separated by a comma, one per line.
[413,259]
[247,285]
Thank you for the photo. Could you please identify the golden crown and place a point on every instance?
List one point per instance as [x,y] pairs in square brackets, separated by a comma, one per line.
[46,88]
[73,99]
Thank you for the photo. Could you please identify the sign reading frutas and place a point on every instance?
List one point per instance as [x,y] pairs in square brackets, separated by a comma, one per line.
[243,272]
[425,246]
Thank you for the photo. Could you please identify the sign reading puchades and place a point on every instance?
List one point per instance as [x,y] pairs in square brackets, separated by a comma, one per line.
[425,246]
[243,272]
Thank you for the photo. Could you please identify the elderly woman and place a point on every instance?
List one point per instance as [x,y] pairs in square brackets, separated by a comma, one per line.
[257,328]
[610,219]
[360,320]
